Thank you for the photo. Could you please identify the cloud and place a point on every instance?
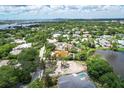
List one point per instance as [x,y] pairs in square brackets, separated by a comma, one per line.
[18,9]
[49,11]
[74,7]
[24,8]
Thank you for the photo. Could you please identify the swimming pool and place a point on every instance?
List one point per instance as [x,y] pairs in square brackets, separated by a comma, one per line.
[82,74]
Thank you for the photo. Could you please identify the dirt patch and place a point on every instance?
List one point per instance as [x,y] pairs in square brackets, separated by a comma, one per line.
[69,67]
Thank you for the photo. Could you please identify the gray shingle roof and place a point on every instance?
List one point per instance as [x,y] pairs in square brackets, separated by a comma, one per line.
[69,81]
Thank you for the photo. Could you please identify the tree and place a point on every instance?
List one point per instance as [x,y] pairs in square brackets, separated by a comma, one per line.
[50,81]
[110,80]
[89,43]
[73,50]
[23,76]
[37,84]
[28,59]
[62,39]
[97,67]
[82,55]
[49,49]
[8,77]
[69,57]
[90,52]
[5,49]
[50,46]
[114,46]
[2,41]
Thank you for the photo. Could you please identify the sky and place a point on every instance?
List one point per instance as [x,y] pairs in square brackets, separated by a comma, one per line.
[26,12]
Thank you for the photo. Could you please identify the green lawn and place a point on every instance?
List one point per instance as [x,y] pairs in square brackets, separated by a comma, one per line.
[120,49]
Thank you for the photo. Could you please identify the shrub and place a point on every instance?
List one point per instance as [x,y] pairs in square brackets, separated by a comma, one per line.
[81,56]
[8,77]
[97,67]
[5,49]
[28,59]
[37,84]
[110,80]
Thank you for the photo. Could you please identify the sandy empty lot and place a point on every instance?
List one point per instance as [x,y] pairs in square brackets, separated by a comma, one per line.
[73,67]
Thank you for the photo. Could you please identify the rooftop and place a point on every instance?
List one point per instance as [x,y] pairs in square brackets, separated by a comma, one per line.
[4,62]
[71,81]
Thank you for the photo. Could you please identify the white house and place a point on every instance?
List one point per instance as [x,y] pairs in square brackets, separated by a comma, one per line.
[56,35]
[103,42]
[19,48]
[121,42]
[20,41]
[4,62]
[51,40]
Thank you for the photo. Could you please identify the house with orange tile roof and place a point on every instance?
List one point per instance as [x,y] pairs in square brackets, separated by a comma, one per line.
[61,53]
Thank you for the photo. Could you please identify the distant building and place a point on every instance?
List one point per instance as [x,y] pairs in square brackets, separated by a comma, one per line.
[63,46]
[86,34]
[20,41]
[121,22]
[82,30]
[76,35]
[51,40]
[84,39]
[4,62]
[77,32]
[103,42]
[121,42]
[56,35]
[105,36]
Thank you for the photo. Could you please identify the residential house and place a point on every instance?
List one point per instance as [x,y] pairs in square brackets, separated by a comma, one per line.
[74,81]
[19,48]
[4,62]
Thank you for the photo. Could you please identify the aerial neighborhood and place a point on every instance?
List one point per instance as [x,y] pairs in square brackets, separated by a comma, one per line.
[66,54]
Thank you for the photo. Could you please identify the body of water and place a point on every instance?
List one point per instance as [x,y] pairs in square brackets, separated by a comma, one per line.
[115,59]
[13,26]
